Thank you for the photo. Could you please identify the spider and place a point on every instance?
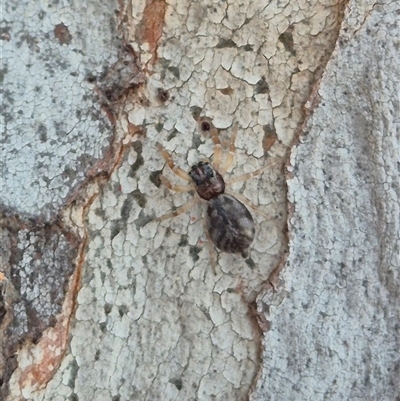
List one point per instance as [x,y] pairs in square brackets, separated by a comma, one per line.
[228,223]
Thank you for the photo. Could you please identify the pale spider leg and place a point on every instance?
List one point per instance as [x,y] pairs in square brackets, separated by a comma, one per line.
[176,188]
[217,148]
[248,203]
[246,176]
[181,209]
[230,158]
[168,158]
[211,248]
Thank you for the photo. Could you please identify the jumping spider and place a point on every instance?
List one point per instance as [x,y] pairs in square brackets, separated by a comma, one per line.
[228,223]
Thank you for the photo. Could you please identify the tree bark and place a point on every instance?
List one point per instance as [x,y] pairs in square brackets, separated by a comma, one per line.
[102,302]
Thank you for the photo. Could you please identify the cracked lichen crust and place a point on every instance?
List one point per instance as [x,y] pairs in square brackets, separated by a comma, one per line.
[152,320]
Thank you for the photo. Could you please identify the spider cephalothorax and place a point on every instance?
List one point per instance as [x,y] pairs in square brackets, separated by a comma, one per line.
[208,182]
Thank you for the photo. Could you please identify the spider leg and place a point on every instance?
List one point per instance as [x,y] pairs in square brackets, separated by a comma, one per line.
[248,203]
[230,158]
[176,188]
[181,209]
[168,158]
[217,148]
[246,176]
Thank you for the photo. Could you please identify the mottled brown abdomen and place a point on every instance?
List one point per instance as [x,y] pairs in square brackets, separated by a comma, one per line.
[230,224]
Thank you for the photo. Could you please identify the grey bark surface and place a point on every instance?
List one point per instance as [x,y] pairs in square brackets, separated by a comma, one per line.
[50,69]
[335,316]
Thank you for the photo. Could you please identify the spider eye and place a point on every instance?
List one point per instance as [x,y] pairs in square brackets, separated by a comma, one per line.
[196,165]
[199,164]
[209,172]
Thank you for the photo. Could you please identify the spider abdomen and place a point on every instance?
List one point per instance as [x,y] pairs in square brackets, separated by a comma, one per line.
[230,224]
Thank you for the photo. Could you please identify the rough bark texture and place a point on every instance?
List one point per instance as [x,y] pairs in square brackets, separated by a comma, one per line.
[335,313]
[97,302]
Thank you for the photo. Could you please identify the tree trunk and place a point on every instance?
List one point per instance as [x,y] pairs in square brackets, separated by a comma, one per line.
[100,300]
